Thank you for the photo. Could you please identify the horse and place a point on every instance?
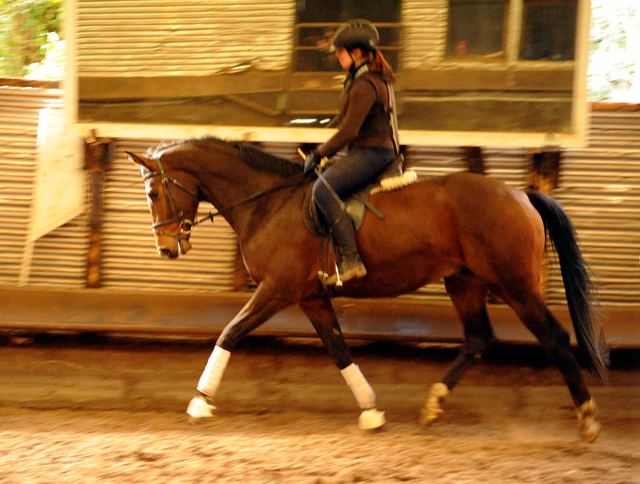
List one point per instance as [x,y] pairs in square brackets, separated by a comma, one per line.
[477,233]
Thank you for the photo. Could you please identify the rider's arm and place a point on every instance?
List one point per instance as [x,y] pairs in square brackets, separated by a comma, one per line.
[362,97]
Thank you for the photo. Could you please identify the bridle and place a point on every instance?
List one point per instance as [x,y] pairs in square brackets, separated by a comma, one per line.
[177,215]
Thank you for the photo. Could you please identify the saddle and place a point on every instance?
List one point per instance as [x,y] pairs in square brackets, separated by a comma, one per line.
[392,178]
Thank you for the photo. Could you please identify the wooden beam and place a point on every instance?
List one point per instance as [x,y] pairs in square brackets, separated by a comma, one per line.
[547,77]
[32,83]
[605,106]
[97,161]
[124,88]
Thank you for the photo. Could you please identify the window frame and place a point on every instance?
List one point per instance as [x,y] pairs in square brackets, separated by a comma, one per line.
[513,32]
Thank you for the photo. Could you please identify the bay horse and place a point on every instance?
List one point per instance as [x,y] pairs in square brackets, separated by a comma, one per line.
[475,232]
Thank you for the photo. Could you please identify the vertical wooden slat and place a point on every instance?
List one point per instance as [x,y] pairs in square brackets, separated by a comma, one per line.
[97,161]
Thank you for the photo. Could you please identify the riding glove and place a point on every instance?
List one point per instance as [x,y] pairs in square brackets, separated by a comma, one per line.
[310,162]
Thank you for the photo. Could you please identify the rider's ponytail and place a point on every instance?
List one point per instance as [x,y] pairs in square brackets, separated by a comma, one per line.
[379,64]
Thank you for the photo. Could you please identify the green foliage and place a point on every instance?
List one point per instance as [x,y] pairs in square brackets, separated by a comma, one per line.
[614,57]
[24,25]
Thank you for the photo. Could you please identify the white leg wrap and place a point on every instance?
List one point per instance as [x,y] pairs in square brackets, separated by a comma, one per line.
[212,374]
[361,389]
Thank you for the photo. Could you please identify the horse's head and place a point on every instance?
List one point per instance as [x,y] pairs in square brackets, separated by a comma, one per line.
[172,196]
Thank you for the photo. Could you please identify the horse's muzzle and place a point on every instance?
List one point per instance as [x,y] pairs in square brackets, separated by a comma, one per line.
[171,246]
[168,253]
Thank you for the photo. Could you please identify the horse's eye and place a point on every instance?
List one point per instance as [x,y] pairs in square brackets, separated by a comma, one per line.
[153,195]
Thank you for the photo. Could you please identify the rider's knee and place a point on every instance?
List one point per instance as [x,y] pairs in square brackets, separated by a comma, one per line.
[320,194]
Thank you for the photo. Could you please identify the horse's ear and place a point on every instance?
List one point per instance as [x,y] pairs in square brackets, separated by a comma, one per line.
[139,160]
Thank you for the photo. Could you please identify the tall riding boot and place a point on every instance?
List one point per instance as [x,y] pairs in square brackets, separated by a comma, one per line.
[344,238]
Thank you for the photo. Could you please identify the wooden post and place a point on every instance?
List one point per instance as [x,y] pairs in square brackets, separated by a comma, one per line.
[544,175]
[475,162]
[97,158]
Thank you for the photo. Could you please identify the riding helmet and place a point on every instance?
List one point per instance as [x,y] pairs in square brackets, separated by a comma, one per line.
[357,33]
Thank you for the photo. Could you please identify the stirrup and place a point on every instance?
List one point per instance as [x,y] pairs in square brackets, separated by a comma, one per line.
[358,270]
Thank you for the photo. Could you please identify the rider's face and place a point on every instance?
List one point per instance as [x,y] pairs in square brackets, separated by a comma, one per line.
[345,59]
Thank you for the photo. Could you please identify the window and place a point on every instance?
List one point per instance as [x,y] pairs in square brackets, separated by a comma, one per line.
[317,20]
[548,29]
[476,27]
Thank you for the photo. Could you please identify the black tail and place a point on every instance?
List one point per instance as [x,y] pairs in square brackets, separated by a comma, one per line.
[577,284]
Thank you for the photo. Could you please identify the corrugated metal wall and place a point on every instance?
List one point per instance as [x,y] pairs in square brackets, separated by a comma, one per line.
[425,31]
[59,258]
[190,37]
[18,132]
[201,37]
[600,189]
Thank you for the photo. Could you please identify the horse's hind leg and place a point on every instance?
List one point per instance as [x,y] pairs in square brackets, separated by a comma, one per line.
[555,340]
[263,304]
[468,295]
[323,317]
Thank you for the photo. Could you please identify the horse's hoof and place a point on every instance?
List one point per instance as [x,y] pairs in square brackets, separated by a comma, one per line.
[432,409]
[589,428]
[371,419]
[426,419]
[199,409]
[590,434]
[430,413]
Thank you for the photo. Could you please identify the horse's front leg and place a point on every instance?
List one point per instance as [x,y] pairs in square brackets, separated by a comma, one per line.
[264,304]
[323,317]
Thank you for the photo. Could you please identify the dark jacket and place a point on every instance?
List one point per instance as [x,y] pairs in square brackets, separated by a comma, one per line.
[364,114]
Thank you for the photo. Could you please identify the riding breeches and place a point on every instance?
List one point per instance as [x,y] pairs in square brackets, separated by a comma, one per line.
[349,174]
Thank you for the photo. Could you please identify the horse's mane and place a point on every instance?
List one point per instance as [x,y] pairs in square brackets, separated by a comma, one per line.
[252,155]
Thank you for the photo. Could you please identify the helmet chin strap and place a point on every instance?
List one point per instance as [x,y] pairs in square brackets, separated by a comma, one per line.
[353,61]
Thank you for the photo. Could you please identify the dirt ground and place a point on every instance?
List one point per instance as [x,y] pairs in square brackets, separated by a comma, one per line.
[97,410]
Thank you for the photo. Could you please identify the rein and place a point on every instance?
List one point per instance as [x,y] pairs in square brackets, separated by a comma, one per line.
[186,225]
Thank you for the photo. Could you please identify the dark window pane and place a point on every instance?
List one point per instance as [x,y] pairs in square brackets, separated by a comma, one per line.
[313,38]
[316,61]
[321,37]
[389,36]
[313,60]
[475,28]
[549,30]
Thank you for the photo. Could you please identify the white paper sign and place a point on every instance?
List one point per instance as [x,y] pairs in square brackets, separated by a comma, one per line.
[60,192]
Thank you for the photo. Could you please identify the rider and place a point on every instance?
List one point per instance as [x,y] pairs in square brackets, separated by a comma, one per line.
[366,127]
